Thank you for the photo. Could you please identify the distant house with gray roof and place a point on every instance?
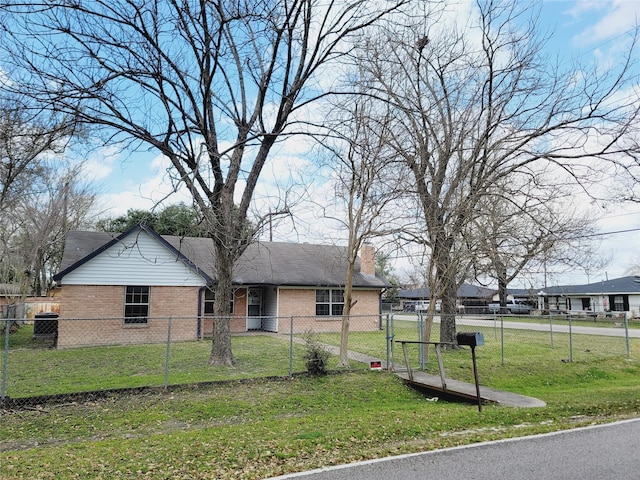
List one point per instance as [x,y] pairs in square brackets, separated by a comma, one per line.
[130,281]
[620,295]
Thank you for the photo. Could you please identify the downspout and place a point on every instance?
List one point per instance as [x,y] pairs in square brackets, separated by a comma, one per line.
[199,327]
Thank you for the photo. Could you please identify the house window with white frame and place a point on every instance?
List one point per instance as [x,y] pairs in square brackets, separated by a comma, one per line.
[210,300]
[329,302]
[136,305]
[618,303]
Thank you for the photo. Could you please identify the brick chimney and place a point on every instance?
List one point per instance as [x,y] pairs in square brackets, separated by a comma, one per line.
[367,259]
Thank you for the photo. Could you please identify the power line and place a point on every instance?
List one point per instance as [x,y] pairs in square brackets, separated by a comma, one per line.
[603,234]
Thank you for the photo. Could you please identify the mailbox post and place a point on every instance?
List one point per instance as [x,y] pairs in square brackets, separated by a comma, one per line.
[473,340]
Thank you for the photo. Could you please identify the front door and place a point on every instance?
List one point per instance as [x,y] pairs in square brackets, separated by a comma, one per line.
[254,309]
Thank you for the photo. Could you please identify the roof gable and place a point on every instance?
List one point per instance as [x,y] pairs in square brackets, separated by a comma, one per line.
[136,257]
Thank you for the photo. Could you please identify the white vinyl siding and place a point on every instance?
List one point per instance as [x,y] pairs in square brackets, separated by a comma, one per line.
[137,260]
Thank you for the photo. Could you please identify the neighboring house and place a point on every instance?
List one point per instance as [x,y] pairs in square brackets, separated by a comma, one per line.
[620,295]
[470,298]
[132,279]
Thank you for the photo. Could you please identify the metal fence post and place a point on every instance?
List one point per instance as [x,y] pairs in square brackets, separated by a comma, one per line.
[389,341]
[6,359]
[626,335]
[570,339]
[502,339]
[551,328]
[495,325]
[166,362]
[291,348]
[421,339]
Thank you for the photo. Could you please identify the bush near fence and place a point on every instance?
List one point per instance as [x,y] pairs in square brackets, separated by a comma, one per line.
[33,367]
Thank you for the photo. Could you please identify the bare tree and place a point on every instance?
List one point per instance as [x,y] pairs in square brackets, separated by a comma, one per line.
[634,269]
[366,184]
[211,85]
[28,137]
[27,134]
[523,226]
[56,203]
[477,104]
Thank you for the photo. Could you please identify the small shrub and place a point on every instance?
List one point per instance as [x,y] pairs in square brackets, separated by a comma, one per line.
[315,356]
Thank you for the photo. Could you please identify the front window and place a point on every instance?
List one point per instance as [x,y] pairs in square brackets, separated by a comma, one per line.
[210,300]
[618,303]
[329,302]
[136,305]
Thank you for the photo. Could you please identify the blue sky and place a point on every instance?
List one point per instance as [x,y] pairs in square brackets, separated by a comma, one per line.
[595,30]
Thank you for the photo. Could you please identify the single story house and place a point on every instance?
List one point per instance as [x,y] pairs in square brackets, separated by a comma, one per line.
[130,281]
[619,295]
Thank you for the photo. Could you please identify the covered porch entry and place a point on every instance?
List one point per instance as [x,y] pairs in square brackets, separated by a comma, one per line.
[262,307]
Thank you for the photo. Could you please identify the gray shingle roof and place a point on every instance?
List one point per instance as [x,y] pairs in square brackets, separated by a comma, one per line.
[263,263]
[623,285]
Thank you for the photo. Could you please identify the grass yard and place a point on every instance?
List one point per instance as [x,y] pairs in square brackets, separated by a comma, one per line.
[539,346]
[263,428]
[254,429]
[35,369]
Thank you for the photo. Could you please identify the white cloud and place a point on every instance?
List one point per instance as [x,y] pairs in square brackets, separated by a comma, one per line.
[138,183]
[100,164]
[619,17]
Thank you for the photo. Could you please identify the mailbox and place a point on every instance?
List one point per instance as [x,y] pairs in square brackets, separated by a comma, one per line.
[473,340]
[470,339]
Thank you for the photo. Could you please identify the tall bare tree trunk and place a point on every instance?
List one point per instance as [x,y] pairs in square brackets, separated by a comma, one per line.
[344,334]
[447,288]
[221,353]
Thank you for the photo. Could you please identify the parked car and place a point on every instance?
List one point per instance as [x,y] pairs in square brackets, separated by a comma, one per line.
[409,306]
[512,306]
[423,306]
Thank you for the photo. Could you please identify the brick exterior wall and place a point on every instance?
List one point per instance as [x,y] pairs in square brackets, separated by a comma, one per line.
[296,302]
[92,315]
[301,304]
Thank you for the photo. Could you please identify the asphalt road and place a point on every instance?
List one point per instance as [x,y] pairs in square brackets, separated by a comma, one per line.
[473,321]
[603,452]
[545,327]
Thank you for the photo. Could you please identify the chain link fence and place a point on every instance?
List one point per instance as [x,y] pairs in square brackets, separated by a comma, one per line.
[52,359]
[523,343]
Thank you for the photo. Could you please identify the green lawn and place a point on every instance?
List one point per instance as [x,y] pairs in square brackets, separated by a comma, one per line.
[262,428]
[253,429]
[35,369]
